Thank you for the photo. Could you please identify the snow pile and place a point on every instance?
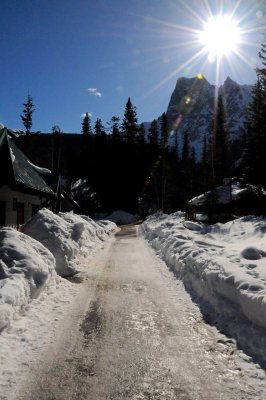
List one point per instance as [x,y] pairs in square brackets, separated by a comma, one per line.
[26,267]
[66,235]
[121,217]
[86,232]
[223,266]
[47,245]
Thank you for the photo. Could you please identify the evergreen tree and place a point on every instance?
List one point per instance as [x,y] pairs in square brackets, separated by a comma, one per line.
[130,122]
[86,125]
[163,164]
[99,129]
[99,175]
[86,147]
[56,129]
[115,129]
[185,149]
[164,132]
[193,155]
[219,145]
[153,146]
[254,158]
[27,112]
[56,149]
[205,175]
[204,156]
[261,72]
[141,134]
[194,184]
[185,170]
[153,134]
[176,142]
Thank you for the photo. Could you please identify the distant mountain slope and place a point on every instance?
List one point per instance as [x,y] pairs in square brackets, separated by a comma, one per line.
[237,98]
[191,108]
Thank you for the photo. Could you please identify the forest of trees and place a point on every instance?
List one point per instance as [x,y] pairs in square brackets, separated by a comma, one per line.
[136,170]
[254,160]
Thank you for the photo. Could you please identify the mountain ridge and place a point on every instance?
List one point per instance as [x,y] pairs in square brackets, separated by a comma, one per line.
[191,109]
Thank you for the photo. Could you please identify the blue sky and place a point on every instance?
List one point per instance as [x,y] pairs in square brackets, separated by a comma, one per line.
[58,49]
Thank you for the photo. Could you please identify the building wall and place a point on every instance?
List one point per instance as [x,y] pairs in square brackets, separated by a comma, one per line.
[31,204]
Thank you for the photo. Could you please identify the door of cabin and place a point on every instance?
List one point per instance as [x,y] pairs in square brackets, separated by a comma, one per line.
[20,214]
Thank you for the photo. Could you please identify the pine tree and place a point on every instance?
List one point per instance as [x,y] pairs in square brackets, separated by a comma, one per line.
[164,132]
[176,142]
[153,134]
[86,148]
[185,149]
[153,137]
[56,149]
[141,134]
[99,128]
[261,72]
[130,123]
[115,129]
[86,125]
[205,175]
[162,164]
[185,170]
[254,158]
[220,146]
[194,184]
[27,112]
[204,155]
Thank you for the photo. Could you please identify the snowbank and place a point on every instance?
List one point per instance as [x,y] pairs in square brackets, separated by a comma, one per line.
[47,246]
[223,266]
[26,267]
[66,235]
[86,232]
[121,217]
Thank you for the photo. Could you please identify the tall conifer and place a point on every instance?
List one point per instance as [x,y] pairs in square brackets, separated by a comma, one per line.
[130,122]
[254,158]
[153,134]
[164,132]
[27,112]
[115,129]
[86,125]
[220,145]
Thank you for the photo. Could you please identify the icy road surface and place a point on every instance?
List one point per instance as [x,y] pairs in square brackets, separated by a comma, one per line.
[133,333]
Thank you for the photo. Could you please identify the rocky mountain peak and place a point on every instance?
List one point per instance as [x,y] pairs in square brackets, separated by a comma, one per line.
[193,100]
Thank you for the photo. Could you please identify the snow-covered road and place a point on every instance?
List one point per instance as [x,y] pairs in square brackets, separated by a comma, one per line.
[132,332]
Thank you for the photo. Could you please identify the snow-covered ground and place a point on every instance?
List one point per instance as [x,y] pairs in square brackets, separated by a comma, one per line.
[46,248]
[223,266]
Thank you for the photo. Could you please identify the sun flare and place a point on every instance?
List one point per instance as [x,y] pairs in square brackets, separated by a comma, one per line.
[220,36]
[217,40]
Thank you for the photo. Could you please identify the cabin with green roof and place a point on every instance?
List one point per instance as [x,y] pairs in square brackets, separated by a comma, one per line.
[24,188]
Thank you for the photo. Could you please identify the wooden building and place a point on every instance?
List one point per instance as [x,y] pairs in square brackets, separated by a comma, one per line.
[24,188]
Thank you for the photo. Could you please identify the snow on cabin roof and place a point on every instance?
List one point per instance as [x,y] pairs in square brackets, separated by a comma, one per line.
[19,170]
[232,190]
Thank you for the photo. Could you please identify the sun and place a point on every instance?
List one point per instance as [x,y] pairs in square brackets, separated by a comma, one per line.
[220,36]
